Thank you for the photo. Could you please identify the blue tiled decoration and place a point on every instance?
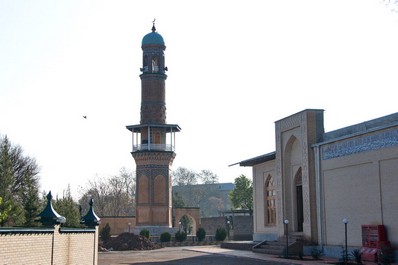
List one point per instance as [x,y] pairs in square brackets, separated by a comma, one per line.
[361,144]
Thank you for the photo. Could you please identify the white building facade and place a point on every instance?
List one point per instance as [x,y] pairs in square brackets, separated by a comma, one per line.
[316,179]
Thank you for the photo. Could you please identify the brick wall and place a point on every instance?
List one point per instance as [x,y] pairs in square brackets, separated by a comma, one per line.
[242,228]
[119,224]
[25,248]
[48,246]
[242,225]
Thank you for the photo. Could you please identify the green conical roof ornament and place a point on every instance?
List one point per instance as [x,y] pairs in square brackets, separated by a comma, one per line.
[90,219]
[50,217]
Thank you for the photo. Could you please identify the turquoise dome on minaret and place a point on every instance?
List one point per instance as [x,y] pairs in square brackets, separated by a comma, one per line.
[152,38]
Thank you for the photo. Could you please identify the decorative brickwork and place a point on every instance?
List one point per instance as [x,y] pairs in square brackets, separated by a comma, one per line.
[153,188]
[154,158]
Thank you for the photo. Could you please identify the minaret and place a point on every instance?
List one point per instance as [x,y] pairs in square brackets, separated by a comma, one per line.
[153,139]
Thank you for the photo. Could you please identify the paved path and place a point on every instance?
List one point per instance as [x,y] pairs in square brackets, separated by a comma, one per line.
[198,255]
[209,255]
[176,256]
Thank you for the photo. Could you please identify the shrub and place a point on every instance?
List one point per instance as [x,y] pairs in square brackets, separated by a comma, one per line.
[181,236]
[316,253]
[105,233]
[356,254]
[301,255]
[344,257]
[221,234]
[201,234]
[165,237]
[145,233]
[384,256]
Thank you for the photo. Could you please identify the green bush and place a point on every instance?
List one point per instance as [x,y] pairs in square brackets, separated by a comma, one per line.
[221,234]
[301,255]
[165,237]
[181,236]
[201,234]
[385,256]
[345,257]
[356,254]
[105,233]
[145,233]
[316,253]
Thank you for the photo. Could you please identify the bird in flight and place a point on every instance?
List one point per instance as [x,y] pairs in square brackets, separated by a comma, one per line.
[85,117]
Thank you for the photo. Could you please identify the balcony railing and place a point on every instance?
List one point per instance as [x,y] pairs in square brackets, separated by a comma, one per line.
[153,147]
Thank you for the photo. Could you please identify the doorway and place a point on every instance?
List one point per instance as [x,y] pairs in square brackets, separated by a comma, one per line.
[299,201]
[300,214]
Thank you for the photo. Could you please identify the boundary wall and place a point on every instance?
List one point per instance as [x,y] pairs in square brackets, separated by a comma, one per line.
[49,245]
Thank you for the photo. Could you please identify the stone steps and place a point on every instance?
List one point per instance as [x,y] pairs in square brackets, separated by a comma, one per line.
[270,247]
[295,246]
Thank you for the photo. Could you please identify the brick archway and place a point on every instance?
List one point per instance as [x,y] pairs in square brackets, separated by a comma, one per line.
[192,212]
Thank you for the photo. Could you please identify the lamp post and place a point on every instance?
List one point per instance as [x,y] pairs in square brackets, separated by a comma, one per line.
[228,228]
[345,221]
[179,226]
[286,222]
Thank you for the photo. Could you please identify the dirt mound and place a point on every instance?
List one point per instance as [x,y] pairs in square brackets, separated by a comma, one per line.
[129,241]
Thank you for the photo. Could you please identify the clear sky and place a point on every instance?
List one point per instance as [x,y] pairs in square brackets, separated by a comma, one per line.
[235,67]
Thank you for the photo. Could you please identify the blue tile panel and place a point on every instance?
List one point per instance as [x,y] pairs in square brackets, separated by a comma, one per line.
[366,143]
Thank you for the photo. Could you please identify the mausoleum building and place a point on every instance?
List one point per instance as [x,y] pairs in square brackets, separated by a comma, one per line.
[315,179]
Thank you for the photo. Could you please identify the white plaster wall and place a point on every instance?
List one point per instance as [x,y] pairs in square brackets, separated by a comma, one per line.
[260,174]
[363,188]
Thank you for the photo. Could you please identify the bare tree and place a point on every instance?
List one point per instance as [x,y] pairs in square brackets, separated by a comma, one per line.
[118,199]
[128,178]
[183,176]
[215,206]
[114,196]
[97,189]
[208,177]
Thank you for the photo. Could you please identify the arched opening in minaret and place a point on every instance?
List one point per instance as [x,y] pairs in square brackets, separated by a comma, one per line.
[145,63]
[155,64]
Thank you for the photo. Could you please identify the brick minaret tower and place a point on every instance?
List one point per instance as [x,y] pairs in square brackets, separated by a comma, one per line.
[153,139]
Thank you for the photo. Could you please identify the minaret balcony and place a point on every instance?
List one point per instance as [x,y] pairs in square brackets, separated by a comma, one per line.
[153,147]
[146,137]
